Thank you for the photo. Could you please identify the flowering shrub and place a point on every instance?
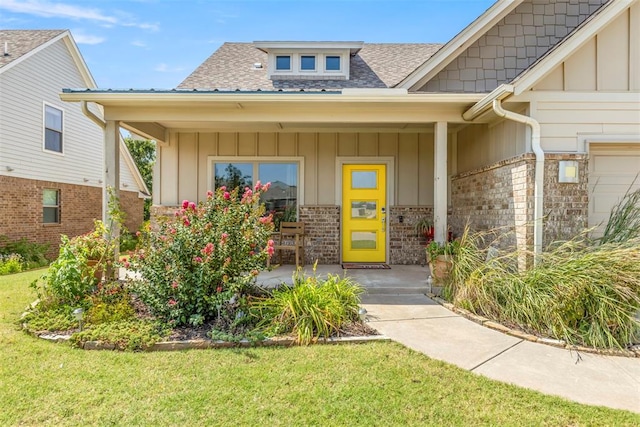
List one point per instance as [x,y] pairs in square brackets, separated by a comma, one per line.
[204,256]
[11,263]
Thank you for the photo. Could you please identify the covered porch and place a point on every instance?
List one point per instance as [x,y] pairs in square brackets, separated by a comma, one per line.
[316,134]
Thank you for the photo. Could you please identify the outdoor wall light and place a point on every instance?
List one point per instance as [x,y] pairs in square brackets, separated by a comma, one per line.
[77,313]
[363,314]
[568,171]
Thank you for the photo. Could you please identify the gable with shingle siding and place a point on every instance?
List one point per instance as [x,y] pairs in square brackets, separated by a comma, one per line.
[376,65]
[512,45]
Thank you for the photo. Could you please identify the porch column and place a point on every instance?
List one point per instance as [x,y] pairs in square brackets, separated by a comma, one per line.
[440,182]
[111,176]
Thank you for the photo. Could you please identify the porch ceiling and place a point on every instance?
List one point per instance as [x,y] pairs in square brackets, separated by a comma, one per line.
[275,112]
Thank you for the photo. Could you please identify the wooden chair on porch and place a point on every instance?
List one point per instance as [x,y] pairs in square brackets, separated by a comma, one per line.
[290,238]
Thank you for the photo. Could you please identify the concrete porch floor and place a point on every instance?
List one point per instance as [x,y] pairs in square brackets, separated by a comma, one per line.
[399,279]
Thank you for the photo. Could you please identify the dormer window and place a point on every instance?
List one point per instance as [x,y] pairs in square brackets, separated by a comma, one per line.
[307,63]
[283,63]
[309,60]
[332,63]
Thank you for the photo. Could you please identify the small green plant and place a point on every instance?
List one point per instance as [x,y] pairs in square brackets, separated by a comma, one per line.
[435,249]
[111,302]
[312,308]
[131,335]
[44,318]
[11,263]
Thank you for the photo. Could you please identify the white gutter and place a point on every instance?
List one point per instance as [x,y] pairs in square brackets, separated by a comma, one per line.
[97,120]
[539,171]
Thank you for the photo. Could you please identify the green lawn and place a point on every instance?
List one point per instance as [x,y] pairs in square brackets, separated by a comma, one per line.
[375,384]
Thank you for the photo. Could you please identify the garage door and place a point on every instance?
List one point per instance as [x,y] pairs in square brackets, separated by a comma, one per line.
[613,170]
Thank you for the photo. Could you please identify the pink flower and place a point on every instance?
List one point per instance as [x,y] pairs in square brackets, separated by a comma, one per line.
[192,206]
[209,194]
[270,242]
[138,234]
[252,253]
[186,221]
[265,219]
[258,186]
[219,289]
[226,195]
[270,250]
[208,249]
[126,264]
[223,188]
[174,285]
[223,238]
[197,259]
[185,204]
[177,213]
[172,302]
[266,186]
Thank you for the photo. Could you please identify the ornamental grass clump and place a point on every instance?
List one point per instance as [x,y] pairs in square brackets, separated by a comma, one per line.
[580,293]
[204,256]
[312,308]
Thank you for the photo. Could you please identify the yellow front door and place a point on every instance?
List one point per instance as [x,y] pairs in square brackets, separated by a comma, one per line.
[364,213]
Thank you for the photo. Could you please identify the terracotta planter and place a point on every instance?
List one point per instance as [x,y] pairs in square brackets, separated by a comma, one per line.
[98,270]
[441,268]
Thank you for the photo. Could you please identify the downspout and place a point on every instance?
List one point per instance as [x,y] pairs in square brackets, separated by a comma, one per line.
[97,120]
[538,193]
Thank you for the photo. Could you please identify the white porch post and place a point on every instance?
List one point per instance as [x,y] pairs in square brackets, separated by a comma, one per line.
[111,176]
[440,182]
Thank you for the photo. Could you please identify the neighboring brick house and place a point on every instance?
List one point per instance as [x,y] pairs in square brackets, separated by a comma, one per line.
[51,154]
[528,119]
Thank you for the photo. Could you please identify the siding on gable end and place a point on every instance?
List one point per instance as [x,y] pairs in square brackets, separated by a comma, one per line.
[512,45]
[23,89]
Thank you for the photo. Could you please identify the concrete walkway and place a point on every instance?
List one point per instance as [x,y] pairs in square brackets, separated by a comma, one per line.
[423,325]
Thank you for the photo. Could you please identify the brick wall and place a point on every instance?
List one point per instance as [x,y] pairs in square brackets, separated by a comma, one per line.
[322,227]
[21,210]
[512,45]
[502,196]
[405,245]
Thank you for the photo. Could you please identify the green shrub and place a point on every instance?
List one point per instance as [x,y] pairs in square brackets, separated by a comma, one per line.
[68,280]
[128,242]
[204,256]
[44,318]
[10,264]
[624,220]
[125,335]
[577,292]
[33,255]
[111,302]
[312,308]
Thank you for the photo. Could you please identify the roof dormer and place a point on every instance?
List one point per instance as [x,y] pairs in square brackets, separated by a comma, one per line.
[308,60]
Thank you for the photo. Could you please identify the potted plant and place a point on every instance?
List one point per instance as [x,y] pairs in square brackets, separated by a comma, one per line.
[440,256]
[424,227]
[96,247]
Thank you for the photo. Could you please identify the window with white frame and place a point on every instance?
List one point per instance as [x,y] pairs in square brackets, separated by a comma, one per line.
[53,119]
[50,206]
[283,62]
[281,198]
[307,63]
[332,63]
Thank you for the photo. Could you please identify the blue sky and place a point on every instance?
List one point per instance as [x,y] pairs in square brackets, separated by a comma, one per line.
[157,43]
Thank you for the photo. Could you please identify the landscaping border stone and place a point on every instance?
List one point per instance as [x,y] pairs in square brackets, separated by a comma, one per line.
[633,352]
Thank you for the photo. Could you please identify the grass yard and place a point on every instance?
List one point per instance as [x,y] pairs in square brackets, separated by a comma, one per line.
[374,384]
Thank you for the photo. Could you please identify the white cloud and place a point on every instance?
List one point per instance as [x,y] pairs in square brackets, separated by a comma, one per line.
[52,9]
[164,68]
[138,43]
[60,10]
[87,39]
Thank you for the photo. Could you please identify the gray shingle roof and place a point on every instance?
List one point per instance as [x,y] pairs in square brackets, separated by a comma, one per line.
[21,42]
[377,65]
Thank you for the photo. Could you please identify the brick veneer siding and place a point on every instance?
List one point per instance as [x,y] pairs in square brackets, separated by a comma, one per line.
[502,196]
[21,210]
[405,245]
[322,227]
[512,45]
[133,207]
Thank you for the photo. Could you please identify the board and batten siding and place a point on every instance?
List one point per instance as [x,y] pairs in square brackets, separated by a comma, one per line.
[23,90]
[184,172]
[480,145]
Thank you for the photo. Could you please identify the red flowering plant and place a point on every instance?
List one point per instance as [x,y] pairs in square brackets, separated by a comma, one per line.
[205,256]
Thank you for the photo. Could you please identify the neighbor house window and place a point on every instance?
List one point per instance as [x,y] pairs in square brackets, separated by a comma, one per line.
[51,206]
[282,197]
[332,63]
[283,62]
[307,63]
[52,129]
